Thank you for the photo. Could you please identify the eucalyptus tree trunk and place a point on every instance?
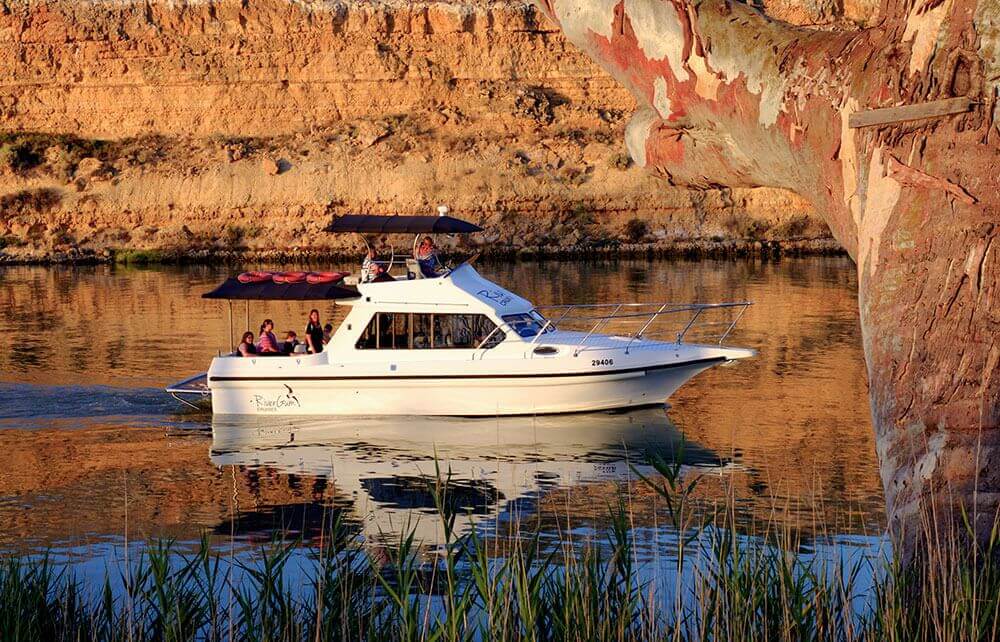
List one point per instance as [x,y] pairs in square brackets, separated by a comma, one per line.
[730,97]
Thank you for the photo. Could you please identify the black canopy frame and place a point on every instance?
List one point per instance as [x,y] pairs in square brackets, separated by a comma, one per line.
[400,224]
[232,289]
[368,224]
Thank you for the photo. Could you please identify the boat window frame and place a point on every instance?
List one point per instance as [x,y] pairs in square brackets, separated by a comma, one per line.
[496,335]
[545,325]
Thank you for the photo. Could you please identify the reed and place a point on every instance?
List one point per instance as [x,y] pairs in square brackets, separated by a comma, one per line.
[730,585]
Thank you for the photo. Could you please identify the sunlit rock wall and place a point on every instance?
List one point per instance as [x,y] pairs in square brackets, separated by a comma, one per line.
[235,125]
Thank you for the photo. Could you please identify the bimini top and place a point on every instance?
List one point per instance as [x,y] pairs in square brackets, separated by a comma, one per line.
[232,288]
[372,224]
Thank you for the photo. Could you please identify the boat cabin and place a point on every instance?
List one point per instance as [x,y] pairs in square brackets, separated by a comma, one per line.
[406,308]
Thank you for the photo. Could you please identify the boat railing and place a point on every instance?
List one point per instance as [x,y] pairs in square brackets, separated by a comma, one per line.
[643,319]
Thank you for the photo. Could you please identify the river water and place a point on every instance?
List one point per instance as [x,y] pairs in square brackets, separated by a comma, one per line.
[92,453]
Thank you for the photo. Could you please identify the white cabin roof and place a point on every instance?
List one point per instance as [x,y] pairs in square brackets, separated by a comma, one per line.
[462,286]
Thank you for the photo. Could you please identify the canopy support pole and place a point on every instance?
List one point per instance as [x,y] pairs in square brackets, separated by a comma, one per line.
[248,317]
[231,344]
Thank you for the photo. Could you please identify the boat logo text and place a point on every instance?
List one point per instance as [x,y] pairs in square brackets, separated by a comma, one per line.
[282,401]
[497,296]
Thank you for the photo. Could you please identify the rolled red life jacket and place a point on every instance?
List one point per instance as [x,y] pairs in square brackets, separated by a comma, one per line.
[315,278]
[289,277]
[254,277]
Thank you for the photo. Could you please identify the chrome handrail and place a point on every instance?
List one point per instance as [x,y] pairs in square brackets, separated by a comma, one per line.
[739,315]
[694,317]
[488,337]
[664,308]
[646,325]
[550,324]
[600,323]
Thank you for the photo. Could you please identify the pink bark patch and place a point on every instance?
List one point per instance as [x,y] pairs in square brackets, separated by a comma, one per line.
[638,72]
[664,148]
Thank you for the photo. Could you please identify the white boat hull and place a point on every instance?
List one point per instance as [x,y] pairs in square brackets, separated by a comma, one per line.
[462,346]
[474,395]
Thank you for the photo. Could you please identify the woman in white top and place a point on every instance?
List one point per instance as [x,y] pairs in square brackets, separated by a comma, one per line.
[370,270]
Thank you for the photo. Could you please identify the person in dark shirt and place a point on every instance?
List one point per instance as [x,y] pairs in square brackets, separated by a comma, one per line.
[314,333]
[247,348]
[291,340]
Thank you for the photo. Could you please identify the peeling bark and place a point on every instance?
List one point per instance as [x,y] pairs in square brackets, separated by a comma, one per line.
[728,96]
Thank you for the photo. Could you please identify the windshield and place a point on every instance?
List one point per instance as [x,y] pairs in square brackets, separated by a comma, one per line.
[528,324]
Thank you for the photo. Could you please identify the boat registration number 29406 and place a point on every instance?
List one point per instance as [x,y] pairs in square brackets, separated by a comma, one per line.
[602,362]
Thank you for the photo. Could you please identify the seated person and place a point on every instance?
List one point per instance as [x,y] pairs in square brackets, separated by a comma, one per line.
[289,344]
[427,256]
[267,343]
[327,333]
[247,348]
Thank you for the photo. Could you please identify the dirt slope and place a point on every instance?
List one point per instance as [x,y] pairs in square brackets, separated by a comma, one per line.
[206,127]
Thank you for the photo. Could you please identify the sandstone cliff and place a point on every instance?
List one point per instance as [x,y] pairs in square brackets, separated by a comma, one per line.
[201,127]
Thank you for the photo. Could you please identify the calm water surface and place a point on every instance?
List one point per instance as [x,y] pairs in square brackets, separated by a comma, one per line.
[91,451]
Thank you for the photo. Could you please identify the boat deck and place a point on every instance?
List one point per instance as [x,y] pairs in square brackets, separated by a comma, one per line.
[191,391]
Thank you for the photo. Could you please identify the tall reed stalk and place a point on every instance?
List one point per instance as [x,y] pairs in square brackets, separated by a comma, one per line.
[730,585]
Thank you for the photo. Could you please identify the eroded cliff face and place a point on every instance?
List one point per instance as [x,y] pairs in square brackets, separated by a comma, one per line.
[201,127]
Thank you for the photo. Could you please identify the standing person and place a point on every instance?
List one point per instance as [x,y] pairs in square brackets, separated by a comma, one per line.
[314,332]
[370,269]
[427,257]
[267,343]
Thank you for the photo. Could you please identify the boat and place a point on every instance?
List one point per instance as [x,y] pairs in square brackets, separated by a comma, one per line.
[456,344]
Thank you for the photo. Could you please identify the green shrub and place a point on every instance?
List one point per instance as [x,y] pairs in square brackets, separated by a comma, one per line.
[11,241]
[621,161]
[793,228]
[581,215]
[138,257]
[636,229]
[745,226]
[233,235]
[29,201]
[18,156]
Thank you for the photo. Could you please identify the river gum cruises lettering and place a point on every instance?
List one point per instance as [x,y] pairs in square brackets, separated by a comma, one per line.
[282,401]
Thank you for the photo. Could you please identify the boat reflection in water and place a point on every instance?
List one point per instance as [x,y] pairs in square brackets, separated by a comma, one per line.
[383,469]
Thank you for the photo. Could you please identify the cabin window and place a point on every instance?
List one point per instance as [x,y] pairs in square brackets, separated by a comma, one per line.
[409,331]
[386,330]
[529,324]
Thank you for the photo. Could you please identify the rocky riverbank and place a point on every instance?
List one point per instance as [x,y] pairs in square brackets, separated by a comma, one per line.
[211,130]
[669,249]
